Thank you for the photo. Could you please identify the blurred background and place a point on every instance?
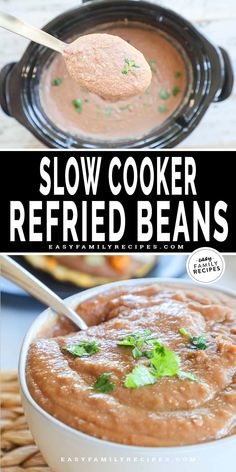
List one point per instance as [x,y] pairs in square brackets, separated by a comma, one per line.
[215,19]
[67,275]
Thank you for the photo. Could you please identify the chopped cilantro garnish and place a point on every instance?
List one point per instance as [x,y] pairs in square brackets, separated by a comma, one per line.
[199,342]
[147,354]
[164,94]
[184,332]
[162,109]
[83,349]
[136,353]
[175,90]
[129,64]
[108,111]
[57,81]
[165,363]
[187,375]
[196,342]
[152,64]
[148,91]
[78,104]
[103,383]
[178,74]
[139,377]
[136,340]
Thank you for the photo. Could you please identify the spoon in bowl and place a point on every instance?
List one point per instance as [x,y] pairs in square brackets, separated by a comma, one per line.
[102,63]
[12,271]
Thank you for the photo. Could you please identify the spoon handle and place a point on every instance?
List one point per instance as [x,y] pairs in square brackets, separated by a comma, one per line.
[15,25]
[21,277]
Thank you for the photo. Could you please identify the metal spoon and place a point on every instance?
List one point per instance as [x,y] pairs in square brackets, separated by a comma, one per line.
[37,35]
[18,275]
[109,51]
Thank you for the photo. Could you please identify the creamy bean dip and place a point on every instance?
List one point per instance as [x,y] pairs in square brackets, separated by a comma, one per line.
[155,368]
[108,66]
[81,113]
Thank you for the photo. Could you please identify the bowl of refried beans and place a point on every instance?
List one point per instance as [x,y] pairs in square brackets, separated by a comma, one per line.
[149,385]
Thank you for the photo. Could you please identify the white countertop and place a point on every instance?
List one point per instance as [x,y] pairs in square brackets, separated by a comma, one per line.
[215,18]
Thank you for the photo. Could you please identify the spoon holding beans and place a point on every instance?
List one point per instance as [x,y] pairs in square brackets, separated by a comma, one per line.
[102,63]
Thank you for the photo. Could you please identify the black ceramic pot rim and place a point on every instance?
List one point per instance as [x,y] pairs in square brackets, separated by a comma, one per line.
[212,74]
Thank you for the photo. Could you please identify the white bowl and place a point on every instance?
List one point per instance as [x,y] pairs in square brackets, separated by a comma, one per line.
[66,449]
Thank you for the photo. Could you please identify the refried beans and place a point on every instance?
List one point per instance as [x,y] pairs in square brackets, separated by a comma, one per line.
[128,388]
[84,114]
[108,66]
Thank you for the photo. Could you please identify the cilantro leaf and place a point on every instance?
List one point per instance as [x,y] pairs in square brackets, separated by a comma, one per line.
[196,342]
[152,64]
[103,383]
[139,377]
[136,340]
[178,74]
[164,94]
[57,81]
[153,342]
[78,104]
[187,375]
[199,342]
[108,111]
[175,90]
[83,349]
[129,64]
[162,109]
[147,354]
[184,332]
[136,353]
[165,363]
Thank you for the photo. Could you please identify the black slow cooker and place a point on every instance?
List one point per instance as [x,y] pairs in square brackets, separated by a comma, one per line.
[212,76]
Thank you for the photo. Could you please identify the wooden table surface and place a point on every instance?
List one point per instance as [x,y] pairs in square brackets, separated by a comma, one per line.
[215,18]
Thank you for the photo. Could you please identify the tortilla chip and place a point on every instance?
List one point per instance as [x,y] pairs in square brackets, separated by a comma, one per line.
[51,265]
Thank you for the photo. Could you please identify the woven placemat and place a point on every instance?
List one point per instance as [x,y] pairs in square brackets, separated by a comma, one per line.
[18,449]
